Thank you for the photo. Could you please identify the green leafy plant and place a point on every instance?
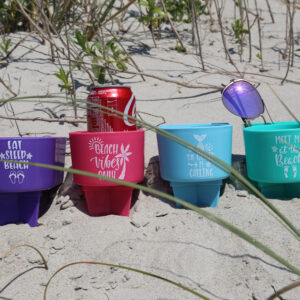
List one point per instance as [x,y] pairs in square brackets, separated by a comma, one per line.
[154,13]
[56,12]
[5,44]
[179,48]
[153,17]
[64,77]
[239,31]
[258,55]
[11,18]
[101,55]
[180,10]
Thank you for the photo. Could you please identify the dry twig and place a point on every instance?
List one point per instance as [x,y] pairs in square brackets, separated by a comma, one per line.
[249,31]
[260,38]
[249,11]
[284,105]
[8,87]
[50,120]
[171,23]
[131,59]
[194,16]
[223,36]
[270,11]
[284,290]
[290,39]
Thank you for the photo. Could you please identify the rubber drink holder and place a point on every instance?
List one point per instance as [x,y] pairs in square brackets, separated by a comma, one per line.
[117,154]
[21,184]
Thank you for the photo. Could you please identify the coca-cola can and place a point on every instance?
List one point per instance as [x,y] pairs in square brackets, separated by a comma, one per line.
[119,98]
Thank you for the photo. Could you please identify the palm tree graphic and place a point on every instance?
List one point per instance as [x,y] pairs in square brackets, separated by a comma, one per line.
[123,158]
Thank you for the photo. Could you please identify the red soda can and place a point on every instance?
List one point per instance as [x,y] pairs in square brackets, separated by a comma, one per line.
[119,98]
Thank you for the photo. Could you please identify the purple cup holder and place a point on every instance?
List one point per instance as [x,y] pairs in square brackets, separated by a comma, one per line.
[19,208]
[20,184]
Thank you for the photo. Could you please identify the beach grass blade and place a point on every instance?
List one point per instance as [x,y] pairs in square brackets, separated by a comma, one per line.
[240,233]
[284,290]
[29,246]
[210,158]
[124,268]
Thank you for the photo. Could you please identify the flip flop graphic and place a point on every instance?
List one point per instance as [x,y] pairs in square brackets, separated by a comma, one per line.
[286,170]
[20,176]
[294,168]
[12,176]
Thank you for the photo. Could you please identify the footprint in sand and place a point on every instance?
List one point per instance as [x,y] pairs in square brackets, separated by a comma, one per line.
[21,177]
[12,176]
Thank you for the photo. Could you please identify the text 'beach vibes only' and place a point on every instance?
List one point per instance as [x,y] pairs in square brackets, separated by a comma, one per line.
[109,158]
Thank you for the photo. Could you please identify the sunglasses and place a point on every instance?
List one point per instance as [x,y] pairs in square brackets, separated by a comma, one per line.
[241,98]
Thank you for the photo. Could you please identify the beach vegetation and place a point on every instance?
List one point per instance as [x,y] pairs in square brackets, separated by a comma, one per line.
[5,44]
[239,31]
[153,17]
[65,79]
[99,53]
[179,48]
[11,19]
[181,10]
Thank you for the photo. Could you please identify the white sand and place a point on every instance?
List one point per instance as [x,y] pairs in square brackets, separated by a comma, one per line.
[175,243]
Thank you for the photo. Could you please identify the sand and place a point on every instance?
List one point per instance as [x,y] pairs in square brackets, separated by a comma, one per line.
[178,244]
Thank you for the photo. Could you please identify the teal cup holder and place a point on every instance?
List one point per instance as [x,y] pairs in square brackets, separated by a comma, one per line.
[193,178]
[273,158]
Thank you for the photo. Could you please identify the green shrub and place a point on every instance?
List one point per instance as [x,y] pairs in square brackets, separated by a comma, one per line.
[11,18]
[239,30]
[154,13]
[100,54]
[5,44]
[180,10]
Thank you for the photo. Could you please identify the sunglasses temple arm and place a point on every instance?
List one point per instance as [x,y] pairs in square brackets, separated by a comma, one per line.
[246,122]
[265,120]
[267,112]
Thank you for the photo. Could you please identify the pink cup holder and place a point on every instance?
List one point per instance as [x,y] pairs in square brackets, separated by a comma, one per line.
[119,155]
[102,201]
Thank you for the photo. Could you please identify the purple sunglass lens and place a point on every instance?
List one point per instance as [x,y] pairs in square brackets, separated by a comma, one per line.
[241,98]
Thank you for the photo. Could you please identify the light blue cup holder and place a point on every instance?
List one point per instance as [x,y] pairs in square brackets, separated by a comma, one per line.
[202,194]
[193,178]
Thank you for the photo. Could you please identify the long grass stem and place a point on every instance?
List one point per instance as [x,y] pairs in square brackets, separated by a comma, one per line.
[240,233]
[210,158]
[124,268]
[29,246]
